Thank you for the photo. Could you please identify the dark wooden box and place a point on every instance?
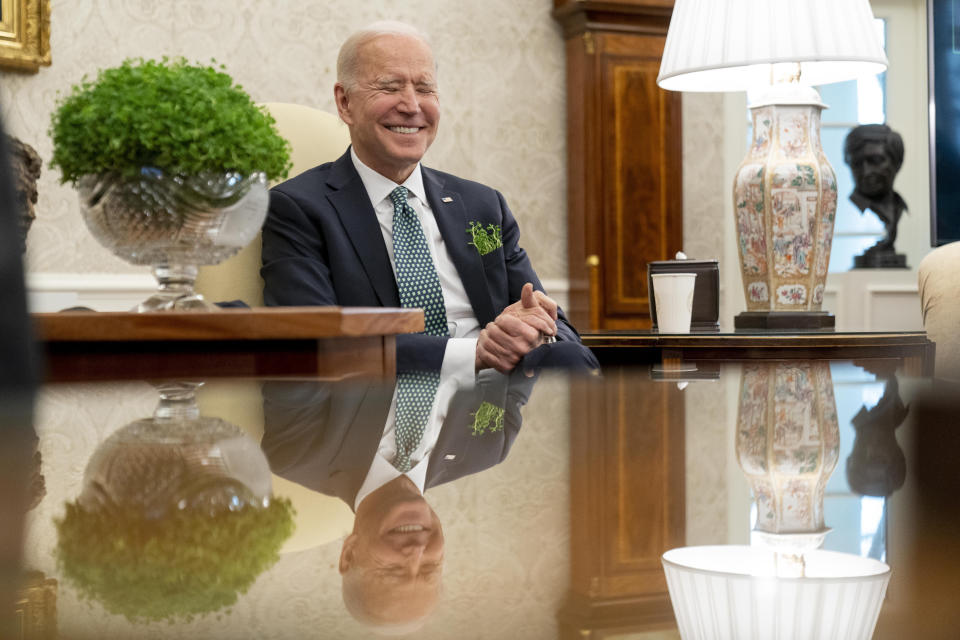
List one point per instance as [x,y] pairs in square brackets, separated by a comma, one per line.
[706,290]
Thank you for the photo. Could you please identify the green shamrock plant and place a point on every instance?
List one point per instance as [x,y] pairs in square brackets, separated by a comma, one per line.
[487,418]
[485,240]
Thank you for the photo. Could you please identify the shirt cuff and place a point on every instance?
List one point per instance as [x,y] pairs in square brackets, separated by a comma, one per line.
[459,362]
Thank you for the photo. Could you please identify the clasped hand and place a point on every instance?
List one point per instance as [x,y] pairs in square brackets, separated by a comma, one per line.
[518,330]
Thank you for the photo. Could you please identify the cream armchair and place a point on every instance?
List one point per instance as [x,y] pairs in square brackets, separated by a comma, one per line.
[939,283]
[315,137]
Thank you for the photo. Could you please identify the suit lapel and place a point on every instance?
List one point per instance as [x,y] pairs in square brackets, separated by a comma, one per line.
[359,219]
[365,421]
[451,454]
[451,215]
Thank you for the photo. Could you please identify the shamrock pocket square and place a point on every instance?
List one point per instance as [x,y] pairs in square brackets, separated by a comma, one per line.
[485,239]
[487,418]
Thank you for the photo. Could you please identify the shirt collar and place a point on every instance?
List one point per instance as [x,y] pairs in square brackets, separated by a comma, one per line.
[381,472]
[379,187]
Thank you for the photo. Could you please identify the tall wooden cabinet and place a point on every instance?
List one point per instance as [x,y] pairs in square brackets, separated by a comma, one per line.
[624,210]
[624,158]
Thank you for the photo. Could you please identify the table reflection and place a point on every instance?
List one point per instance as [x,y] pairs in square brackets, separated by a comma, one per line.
[335,438]
[555,533]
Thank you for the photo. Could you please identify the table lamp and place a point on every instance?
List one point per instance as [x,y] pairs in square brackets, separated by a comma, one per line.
[785,191]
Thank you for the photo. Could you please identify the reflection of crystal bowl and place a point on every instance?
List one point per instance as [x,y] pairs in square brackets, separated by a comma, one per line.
[157,466]
[175,518]
[174,223]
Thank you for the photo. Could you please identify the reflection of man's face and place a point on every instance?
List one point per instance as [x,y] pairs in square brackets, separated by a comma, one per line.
[393,111]
[391,563]
[874,170]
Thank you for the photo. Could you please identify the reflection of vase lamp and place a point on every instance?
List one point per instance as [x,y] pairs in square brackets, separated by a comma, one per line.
[787,444]
[783,585]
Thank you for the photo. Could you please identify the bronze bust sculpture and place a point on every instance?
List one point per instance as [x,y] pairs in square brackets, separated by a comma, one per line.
[874,153]
[25,164]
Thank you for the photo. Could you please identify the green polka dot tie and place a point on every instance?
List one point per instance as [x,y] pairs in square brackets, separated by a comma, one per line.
[417,278]
[419,287]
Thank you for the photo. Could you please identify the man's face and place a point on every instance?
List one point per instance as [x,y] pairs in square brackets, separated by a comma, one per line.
[394,556]
[873,170]
[393,110]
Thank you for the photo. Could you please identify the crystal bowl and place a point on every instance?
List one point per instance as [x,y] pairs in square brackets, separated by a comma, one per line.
[174,224]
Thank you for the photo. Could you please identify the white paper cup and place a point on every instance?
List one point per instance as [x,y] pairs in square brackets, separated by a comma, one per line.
[673,293]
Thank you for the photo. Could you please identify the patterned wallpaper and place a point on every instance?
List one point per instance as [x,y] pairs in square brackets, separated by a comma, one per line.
[502,91]
[501,74]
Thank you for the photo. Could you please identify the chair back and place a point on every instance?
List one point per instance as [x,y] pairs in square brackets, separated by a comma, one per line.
[315,137]
[939,283]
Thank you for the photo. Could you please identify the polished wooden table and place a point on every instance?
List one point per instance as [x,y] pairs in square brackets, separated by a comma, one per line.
[646,347]
[288,341]
[629,462]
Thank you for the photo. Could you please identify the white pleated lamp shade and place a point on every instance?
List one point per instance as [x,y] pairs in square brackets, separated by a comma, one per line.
[733,592]
[730,45]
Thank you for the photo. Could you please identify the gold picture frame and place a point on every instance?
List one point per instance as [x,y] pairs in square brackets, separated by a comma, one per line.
[24,34]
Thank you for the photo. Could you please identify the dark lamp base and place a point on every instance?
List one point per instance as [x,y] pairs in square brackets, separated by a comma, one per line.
[784,320]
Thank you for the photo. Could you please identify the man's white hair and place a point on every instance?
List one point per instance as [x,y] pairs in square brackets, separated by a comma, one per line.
[348,60]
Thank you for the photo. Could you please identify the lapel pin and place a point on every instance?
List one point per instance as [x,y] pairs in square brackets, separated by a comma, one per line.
[447,199]
[449,456]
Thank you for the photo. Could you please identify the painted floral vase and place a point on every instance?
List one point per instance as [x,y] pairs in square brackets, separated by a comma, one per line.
[785,202]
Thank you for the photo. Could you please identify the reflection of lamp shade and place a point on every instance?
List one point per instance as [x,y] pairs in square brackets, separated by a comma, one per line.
[785,191]
[733,592]
[787,444]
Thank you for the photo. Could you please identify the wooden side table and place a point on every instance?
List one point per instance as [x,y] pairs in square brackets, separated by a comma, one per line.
[287,341]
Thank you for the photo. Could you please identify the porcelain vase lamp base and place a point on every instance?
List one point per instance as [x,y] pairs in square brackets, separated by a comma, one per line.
[785,202]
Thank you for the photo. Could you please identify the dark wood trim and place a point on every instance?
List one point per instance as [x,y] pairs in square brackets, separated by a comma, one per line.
[637,16]
[650,339]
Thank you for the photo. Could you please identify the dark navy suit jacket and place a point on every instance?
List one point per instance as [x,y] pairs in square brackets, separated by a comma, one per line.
[322,245]
[323,435]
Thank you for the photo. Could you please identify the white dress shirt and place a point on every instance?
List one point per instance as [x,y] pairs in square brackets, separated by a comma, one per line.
[462,324]
[457,370]
[381,469]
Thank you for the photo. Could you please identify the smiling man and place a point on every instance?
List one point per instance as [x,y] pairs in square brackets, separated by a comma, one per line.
[392,562]
[337,438]
[376,228]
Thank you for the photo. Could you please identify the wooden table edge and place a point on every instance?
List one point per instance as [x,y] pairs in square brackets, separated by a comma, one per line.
[262,323]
